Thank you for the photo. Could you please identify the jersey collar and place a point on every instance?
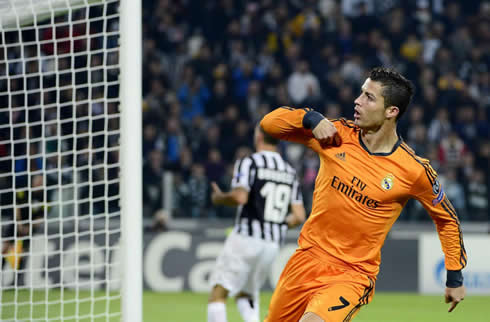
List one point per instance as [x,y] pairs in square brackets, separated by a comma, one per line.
[382,154]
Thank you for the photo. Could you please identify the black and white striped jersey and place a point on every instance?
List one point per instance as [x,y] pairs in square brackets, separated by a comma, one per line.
[273,186]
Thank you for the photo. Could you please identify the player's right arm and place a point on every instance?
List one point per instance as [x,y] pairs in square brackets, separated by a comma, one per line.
[304,126]
[240,186]
[235,197]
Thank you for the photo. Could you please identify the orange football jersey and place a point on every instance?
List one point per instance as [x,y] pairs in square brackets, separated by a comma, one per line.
[359,195]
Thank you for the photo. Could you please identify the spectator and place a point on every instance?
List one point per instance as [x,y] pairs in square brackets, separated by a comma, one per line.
[468,166]
[152,189]
[352,71]
[466,124]
[477,197]
[253,101]
[243,75]
[194,134]
[455,191]
[482,124]
[198,191]
[152,139]
[273,79]
[345,41]
[431,42]
[214,166]
[440,126]
[220,98]
[408,126]
[333,111]
[193,98]
[451,150]
[418,140]
[241,136]
[30,212]
[174,141]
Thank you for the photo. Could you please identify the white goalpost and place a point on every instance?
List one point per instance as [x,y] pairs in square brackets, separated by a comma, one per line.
[70,160]
[131,157]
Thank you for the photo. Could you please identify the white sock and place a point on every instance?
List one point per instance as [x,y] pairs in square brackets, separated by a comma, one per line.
[216,312]
[248,313]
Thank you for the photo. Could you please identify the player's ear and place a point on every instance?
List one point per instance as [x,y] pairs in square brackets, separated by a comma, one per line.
[391,112]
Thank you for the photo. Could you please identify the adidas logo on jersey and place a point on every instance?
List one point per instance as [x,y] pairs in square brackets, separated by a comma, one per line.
[340,155]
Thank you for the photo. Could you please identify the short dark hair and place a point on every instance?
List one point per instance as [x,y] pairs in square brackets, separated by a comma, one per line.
[397,90]
[268,139]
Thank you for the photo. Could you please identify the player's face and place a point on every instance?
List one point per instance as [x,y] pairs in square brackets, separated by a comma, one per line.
[369,110]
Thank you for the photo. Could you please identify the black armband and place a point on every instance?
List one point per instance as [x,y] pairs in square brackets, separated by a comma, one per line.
[311,119]
[454,279]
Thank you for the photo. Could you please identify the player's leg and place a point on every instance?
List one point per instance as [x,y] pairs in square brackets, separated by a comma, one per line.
[311,317]
[218,294]
[230,274]
[340,300]
[294,288]
[248,307]
[217,304]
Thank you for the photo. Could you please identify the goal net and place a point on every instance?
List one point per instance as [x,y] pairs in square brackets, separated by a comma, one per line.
[60,157]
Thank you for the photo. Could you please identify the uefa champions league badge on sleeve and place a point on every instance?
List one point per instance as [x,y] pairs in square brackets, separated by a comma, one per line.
[438,191]
[239,175]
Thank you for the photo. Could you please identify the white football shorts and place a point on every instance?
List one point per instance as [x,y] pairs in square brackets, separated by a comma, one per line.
[244,264]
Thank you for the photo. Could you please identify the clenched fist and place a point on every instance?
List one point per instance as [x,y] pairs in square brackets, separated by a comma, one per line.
[326,133]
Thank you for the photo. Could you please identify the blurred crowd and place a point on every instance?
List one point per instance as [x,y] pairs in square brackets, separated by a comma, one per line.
[213,68]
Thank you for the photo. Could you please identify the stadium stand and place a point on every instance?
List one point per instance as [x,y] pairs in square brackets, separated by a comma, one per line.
[213,68]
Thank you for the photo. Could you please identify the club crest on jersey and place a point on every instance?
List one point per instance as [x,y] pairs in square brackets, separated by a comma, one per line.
[387,182]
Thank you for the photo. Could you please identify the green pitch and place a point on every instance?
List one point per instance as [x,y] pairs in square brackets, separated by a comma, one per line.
[386,307]
[191,307]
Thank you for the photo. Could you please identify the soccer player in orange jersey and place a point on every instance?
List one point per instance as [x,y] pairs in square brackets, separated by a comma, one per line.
[367,174]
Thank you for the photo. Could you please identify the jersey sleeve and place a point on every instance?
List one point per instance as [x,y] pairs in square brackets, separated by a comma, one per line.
[286,123]
[242,171]
[430,193]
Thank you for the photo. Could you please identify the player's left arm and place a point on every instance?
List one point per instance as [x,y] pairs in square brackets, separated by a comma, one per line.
[297,215]
[428,191]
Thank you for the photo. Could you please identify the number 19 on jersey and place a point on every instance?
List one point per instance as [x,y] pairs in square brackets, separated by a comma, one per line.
[277,197]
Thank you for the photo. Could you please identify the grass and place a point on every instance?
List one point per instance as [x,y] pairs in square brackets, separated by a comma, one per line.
[59,305]
[392,307]
[190,307]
